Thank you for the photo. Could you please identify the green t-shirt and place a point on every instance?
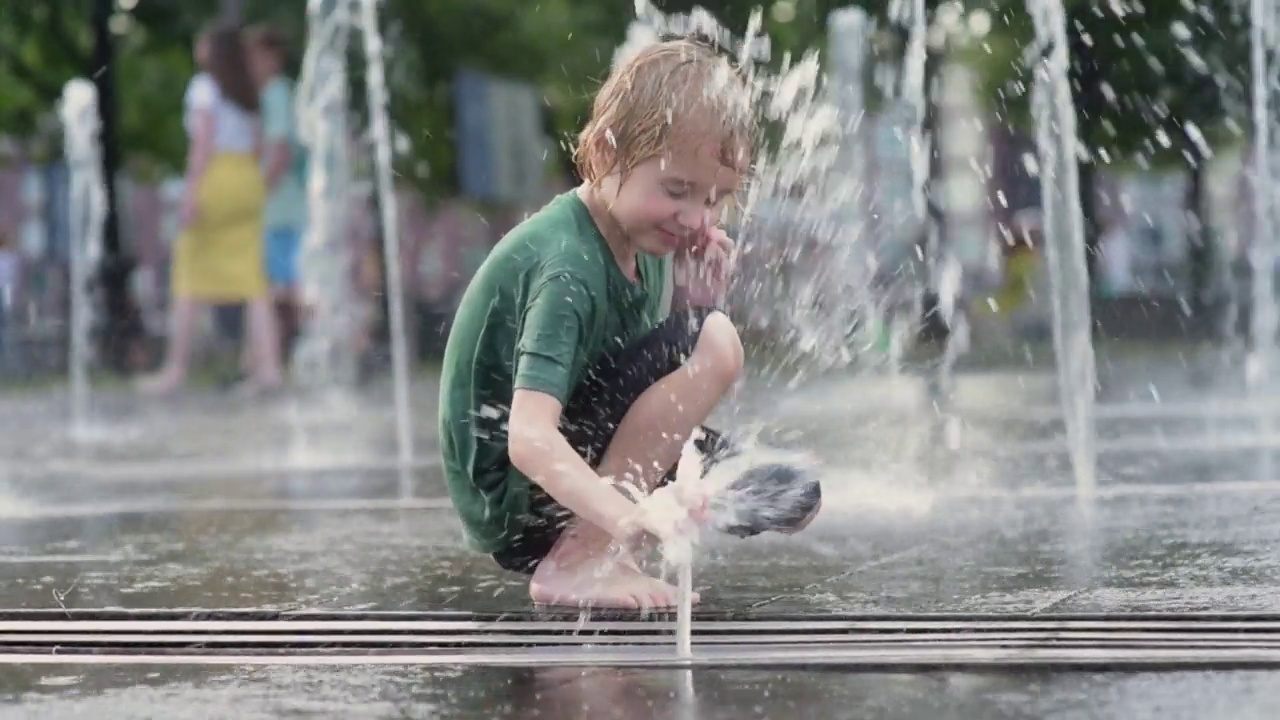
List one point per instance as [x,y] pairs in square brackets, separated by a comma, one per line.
[545,305]
[287,205]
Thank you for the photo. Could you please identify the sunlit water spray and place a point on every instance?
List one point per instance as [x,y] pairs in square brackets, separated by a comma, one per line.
[1055,120]
[800,255]
[801,262]
[326,354]
[88,211]
[755,487]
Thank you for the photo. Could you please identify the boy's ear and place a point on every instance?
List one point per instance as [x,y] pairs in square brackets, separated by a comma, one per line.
[604,151]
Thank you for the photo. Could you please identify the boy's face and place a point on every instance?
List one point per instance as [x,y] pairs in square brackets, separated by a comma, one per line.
[667,202]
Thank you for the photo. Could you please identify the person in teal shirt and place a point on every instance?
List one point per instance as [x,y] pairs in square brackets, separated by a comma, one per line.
[284,168]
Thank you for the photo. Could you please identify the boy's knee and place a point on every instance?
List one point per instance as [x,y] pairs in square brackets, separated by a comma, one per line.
[719,348]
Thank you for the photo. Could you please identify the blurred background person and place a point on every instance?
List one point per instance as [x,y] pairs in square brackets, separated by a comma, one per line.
[284,169]
[218,255]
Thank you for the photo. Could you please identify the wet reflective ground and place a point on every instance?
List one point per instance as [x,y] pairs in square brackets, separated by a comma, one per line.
[283,692]
[933,505]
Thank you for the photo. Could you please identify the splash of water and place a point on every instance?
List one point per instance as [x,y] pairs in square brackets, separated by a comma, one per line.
[795,284]
[803,261]
[756,487]
[78,111]
[1055,121]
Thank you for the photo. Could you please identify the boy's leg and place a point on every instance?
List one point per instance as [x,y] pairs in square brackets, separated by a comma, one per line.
[591,418]
[630,419]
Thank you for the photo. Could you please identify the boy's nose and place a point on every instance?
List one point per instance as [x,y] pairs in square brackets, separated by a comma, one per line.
[694,220]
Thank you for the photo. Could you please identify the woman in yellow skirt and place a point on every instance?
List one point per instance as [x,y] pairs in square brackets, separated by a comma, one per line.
[218,257]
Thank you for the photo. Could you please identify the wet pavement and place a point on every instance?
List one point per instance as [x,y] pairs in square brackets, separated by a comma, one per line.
[285,692]
[962,505]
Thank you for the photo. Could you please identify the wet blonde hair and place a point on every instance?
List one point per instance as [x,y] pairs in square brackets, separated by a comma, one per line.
[667,93]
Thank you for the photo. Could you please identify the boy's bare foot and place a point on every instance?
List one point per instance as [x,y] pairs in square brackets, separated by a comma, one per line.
[582,571]
[603,584]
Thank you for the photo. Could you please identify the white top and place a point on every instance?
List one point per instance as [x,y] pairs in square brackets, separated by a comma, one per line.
[233,127]
[10,270]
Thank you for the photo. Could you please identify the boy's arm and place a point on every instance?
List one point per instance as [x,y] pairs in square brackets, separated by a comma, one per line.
[540,451]
[550,336]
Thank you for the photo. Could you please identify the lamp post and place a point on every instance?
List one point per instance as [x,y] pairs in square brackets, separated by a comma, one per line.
[112,275]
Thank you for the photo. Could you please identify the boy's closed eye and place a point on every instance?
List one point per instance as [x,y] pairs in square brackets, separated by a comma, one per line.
[677,189]
[685,190]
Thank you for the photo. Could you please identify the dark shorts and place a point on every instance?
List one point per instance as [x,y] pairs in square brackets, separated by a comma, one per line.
[592,415]
[229,321]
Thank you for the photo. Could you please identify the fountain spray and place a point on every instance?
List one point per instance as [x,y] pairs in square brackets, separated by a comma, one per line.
[1055,120]
[88,210]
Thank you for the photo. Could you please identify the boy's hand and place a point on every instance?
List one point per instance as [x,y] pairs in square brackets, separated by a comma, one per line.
[711,260]
[670,514]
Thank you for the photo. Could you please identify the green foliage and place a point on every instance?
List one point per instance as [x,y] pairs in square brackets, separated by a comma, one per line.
[42,45]
[1149,78]
[1142,73]
[45,44]
[561,46]
[1137,81]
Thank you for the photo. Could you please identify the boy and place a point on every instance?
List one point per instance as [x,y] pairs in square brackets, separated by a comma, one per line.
[569,387]
[284,169]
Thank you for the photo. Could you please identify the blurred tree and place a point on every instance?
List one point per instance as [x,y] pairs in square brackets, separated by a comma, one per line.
[138,55]
[1156,86]
[1137,67]
[45,44]
[1162,85]
[561,46]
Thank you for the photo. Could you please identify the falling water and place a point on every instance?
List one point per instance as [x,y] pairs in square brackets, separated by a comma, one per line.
[377,83]
[849,32]
[324,356]
[941,272]
[793,284]
[1263,250]
[731,506]
[684,614]
[1065,245]
[913,14]
[1260,366]
[88,209]
[800,255]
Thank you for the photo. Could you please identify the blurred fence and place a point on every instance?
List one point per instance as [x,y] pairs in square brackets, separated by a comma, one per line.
[443,242]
